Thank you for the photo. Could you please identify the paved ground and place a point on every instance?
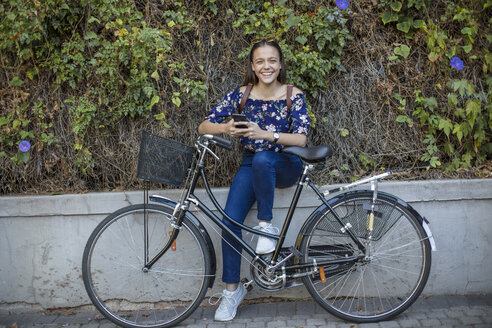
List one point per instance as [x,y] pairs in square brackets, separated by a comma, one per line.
[435,311]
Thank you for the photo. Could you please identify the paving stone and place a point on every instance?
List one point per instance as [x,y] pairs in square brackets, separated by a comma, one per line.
[316,322]
[249,311]
[449,322]
[108,325]
[297,322]
[433,322]
[305,308]
[216,325]
[90,325]
[468,320]
[389,324]
[468,312]
[255,324]
[286,308]
[477,311]
[267,310]
[410,323]
[368,325]
[276,324]
[234,324]
[456,313]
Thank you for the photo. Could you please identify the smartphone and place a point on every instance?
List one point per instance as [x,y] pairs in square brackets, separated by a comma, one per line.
[240,118]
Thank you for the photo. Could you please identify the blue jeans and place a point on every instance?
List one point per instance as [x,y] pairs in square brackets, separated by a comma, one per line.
[255,180]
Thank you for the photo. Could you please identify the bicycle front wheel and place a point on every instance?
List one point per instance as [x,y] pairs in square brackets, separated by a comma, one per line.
[384,281]
[127,293]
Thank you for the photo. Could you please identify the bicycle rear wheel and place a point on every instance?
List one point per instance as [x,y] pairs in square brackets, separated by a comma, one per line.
[131,296]
[373,288]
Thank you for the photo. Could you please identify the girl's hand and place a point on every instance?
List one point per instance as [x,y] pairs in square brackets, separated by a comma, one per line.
[232,128]
[255,132]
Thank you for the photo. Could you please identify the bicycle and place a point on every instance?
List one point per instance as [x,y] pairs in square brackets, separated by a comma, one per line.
[363,255]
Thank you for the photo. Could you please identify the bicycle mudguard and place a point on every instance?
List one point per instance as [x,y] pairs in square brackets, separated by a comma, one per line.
[199,225]
[423,222]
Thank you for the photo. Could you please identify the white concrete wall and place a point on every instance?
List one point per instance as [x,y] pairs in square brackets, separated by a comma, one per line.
[42,239]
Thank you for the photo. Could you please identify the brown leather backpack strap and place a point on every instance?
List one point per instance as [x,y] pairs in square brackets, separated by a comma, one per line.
[245,97]
[289,95]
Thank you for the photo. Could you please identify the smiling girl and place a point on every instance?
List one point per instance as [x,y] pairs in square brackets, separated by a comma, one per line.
[277,117]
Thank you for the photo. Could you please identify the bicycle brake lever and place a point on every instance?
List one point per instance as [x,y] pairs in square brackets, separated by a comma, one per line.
[212,153]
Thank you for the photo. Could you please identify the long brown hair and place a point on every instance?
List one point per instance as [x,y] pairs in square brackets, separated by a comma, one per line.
[250,76]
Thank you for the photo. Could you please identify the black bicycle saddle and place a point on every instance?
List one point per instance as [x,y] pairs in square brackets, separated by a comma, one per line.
[313,154]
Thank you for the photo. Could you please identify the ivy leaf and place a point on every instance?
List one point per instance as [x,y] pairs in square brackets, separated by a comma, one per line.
[433,56]
[301,39]
[93,19]
[404,26]
[418,23]
[452,99]
[396,6]
[466,31]
[403,119]
[175,99]
[155,100]
[155,75]
[430,103]
[90,35]
[472,111]
[23,156]
[459,85]
[389,16]
[16,82]
[446,126]
[293,20]
[457,130]
[403,51]
[160,116]
[434,161]
[468,48]
[4,120]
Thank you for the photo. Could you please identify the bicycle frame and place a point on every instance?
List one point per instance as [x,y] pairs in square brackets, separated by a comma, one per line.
[188,197]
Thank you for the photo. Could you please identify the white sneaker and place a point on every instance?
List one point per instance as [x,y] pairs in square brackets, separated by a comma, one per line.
[230,301]
[266,245]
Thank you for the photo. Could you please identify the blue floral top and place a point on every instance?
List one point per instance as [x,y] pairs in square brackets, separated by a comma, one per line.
[270,115]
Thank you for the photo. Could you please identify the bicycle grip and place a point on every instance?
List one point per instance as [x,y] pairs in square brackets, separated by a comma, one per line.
[222,142]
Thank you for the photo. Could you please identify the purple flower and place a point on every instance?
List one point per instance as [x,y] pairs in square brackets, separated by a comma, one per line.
[24,146]
[342,4]
[54,155]
[456,63]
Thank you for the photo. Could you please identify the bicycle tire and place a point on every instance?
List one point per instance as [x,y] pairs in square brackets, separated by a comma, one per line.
[128,295]
[374,289]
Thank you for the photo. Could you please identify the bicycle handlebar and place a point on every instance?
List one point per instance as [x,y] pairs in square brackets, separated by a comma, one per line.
[219,141]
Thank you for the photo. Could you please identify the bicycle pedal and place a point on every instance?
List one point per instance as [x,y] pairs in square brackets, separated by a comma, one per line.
[248,284]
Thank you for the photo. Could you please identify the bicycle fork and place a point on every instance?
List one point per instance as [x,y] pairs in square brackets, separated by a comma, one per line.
[178,215]
[370,220]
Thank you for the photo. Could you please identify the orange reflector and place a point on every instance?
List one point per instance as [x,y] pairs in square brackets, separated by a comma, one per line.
[322,274]
[173,245]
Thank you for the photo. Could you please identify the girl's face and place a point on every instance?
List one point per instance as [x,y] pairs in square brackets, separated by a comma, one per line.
[266,64]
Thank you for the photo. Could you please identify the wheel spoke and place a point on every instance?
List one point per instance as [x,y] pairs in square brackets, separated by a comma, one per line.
[128,295]
[380,285]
